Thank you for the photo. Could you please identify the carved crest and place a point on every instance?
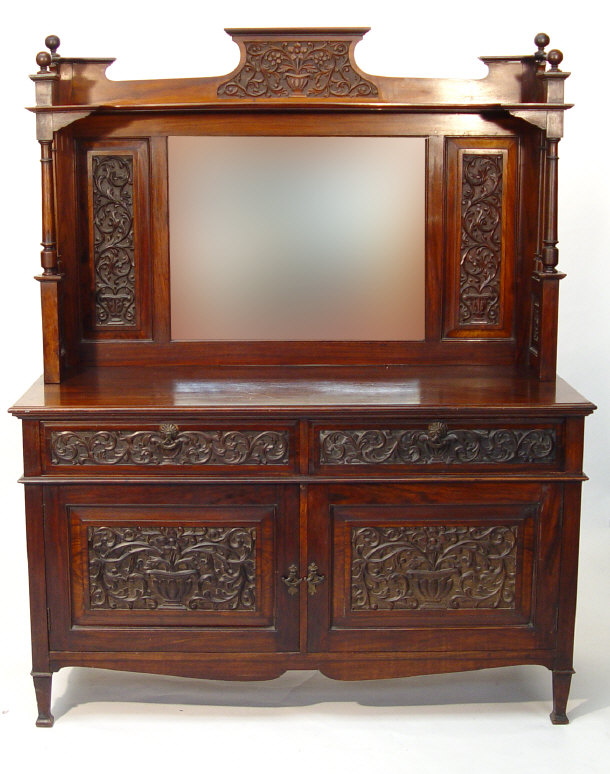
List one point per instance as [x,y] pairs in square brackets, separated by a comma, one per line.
[292,68]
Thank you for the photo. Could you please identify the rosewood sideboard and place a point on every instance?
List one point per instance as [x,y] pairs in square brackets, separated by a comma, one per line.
[329,488]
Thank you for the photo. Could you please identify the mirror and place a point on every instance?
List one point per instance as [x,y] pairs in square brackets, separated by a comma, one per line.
[297,238]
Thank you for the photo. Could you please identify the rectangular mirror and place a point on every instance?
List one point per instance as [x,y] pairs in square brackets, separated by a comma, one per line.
[297,238]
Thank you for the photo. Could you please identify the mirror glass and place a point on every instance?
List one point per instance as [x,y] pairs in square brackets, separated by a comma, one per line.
[297,238]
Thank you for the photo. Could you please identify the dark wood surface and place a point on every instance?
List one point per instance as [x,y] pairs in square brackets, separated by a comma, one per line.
[139,390]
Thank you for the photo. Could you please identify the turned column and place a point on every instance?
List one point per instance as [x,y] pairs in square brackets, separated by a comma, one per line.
[50,279]
[545,279]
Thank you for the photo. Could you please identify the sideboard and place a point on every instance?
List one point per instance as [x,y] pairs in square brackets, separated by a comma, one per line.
[233,508]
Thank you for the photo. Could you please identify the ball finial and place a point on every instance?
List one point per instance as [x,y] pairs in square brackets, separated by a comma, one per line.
[43,60]
[52,43]
[541,40]
[554,58]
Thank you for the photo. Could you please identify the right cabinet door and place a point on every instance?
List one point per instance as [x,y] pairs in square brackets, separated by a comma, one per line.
[434,566]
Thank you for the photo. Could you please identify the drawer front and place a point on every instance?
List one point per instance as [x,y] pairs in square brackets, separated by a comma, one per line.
[451,445]
[195,567]
[208,449]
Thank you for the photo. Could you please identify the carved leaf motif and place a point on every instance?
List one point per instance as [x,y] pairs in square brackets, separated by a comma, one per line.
[297,69]
[169,446]
[436,444]
[481,239]
[433,567]
[177,568]
[113,240]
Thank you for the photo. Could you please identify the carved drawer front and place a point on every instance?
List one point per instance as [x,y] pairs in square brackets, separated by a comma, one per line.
[206,573]
[184,446]
[462,567]
[451,444]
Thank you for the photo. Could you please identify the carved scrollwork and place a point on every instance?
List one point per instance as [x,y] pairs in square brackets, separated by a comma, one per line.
[113,240]
[169,446]
[174,568]
[481,239]
[436,444]
[319,68]
[433,567]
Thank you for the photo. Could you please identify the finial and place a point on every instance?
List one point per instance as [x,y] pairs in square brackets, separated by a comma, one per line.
[43,60]
[52,43]
[541,40]
[554,58]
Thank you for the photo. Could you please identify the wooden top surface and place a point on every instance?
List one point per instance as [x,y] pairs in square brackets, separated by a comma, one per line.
[308,391]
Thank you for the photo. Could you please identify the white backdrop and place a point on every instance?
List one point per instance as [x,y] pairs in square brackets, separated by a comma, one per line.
[429,721]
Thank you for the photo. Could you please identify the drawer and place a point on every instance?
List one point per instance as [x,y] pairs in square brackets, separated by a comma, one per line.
[190,447]
[390,447]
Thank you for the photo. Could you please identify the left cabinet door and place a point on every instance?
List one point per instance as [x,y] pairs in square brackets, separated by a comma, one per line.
[171,568]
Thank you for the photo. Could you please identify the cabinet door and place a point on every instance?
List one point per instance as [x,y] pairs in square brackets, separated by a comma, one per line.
[433,567]
[183,568]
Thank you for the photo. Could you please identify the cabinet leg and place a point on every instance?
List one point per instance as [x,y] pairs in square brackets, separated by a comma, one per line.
[42,686]
[561,689]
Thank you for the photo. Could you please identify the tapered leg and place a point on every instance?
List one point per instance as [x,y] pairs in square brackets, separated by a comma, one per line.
[561,690]
[42,686]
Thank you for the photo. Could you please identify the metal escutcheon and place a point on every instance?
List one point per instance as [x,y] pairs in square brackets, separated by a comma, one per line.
[292,580]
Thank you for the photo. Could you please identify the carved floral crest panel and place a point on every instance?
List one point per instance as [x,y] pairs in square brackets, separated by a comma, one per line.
[433,567]
[172,568]
[308,68]
[481,239]
[114,267]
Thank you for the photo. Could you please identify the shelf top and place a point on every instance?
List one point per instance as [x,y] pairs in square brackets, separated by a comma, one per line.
[304,390]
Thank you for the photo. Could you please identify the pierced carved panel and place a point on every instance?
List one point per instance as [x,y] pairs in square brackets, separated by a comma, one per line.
[481,240]
[320,68]
[433,567]
[114,268]
[172,568]
[169,446]
[436,444]
[535,337]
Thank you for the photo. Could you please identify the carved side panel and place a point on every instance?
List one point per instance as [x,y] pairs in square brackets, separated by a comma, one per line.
[112,220]
[433,567]
[481,211]
[291,68]
[172,568]
[116,259]
[481,239]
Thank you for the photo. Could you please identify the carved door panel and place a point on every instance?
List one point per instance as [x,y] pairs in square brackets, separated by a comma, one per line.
[191,568]
[433,567]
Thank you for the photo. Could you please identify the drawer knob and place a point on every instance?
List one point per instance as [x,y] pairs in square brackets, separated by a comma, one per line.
[292,580]
[437,431]
[313,578]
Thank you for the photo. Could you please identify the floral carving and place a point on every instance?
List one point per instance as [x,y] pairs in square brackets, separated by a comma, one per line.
[113,240]
[481,239]
[436,444]
[169,446]
[174,568]
[319,68]
[433,567]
